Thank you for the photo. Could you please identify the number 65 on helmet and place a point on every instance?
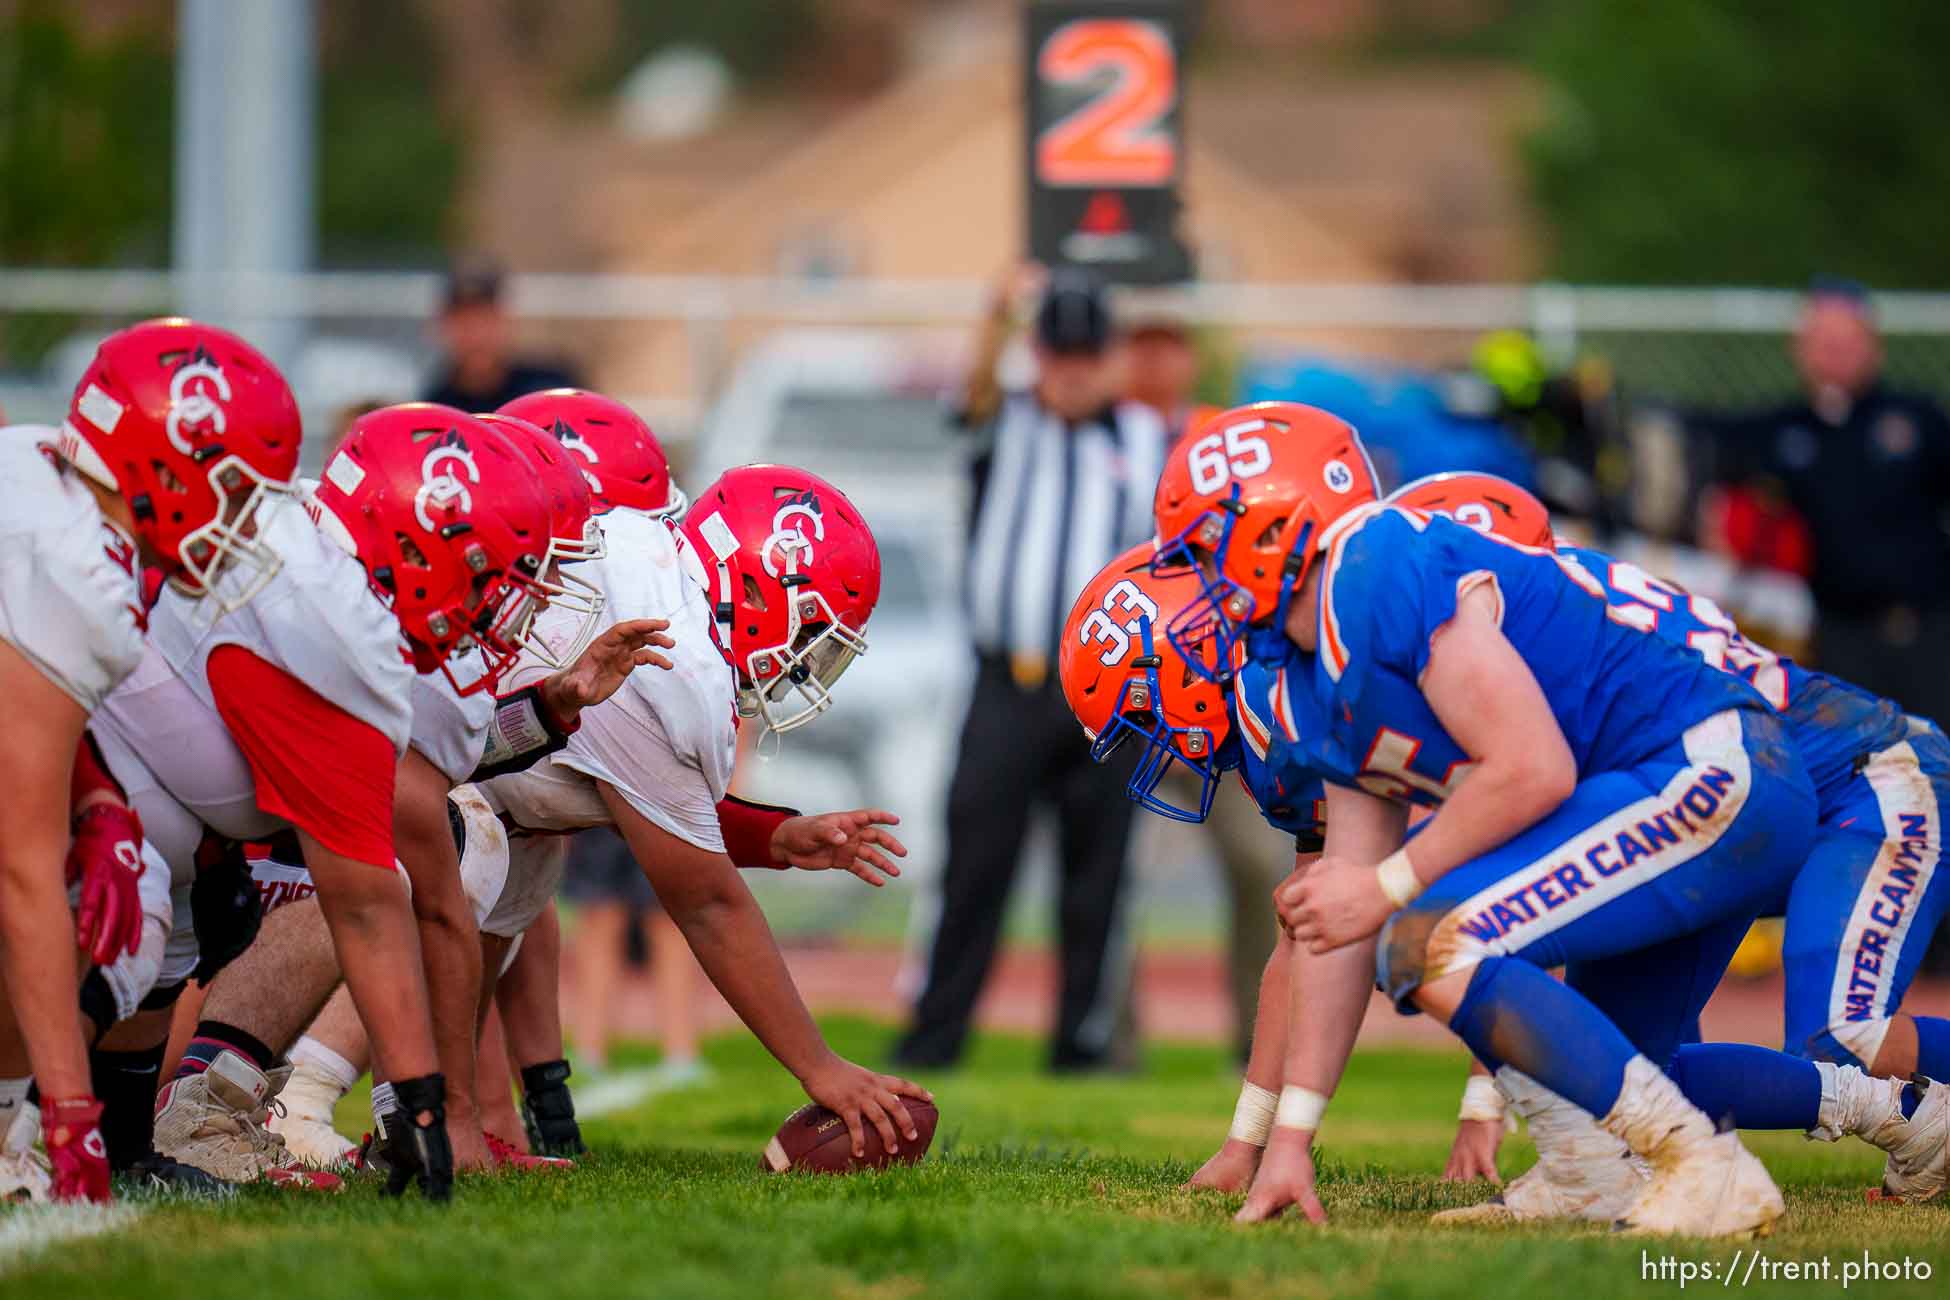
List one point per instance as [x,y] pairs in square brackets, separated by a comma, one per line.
[1244,505]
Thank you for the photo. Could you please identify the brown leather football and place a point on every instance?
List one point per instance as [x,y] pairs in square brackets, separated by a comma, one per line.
[814,1140]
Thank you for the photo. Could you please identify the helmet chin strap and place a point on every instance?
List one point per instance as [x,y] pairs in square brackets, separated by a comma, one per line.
[1290,570]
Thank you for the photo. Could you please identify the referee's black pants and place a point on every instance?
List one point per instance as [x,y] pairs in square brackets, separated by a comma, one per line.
[1020,746]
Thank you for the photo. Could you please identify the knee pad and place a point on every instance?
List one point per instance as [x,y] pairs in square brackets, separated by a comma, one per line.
[1402,960]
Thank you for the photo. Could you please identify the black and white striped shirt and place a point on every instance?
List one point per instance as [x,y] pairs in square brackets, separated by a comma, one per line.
[1054,503]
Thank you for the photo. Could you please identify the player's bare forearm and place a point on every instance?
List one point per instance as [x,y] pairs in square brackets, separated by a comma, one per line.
[1487,699]
[719,918]
[1328,992]
[529,994]
[38,957]
[1266,1065]
[450,943]
[378,946]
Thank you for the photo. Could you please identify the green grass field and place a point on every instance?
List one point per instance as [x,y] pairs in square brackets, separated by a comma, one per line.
[1035,1186]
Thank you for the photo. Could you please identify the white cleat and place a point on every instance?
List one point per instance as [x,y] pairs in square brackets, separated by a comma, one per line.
[1582,1171]
[1710,1188]
[1918,1147]
[305,1120]
[216,1121]
[1598,1191]
[313,1141]
[24,1171]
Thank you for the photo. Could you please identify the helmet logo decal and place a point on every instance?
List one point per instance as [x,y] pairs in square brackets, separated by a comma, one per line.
[439,485]
[1100,628]
[195,392]
[1473,514]
[1338,477]
[566,435]
[788,538]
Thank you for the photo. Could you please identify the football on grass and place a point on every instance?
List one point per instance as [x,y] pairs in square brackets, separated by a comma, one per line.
[814,1140]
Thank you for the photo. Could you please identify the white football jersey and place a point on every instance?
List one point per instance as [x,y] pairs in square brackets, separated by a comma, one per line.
[667,740]
[450,730]
[70,586]
[317,619]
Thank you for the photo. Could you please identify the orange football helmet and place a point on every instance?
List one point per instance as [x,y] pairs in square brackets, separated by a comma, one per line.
[1244,503]
[1481,501]
[1125,682]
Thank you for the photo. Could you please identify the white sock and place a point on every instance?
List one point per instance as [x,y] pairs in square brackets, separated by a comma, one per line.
[1651,1115]
[1566,1135]
[1853,1101]
[324,1061]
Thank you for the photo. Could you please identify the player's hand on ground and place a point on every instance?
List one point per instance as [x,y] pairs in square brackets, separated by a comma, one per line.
[1285,1180]
[855,841]
[603,666]
[105,855]
[860,1097]
[77,1158]
[1474,1154]
[1230,1169]
[1336,903]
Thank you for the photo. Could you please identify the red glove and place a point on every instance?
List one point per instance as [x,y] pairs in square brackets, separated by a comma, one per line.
[72,1129]
[106,854]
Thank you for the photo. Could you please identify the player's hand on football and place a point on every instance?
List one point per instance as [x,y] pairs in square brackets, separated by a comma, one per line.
[861,1097]
[855,841]
[1230,1169]
[1474,1154]
[1285,1180]
[1336,903]
[605,663]
[105,855]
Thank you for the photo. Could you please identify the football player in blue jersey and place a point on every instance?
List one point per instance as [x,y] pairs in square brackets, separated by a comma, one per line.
[1860,911]
[1620,793]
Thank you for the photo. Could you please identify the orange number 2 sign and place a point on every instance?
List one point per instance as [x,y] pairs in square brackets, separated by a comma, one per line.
[1112,138]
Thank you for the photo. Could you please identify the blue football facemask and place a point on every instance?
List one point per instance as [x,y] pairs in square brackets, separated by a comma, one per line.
[1138,718]
[1202,632]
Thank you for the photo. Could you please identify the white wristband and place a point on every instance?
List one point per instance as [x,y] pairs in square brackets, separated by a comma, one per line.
[1300,1108]
[1482,1099]
[1252,1118]
[1398,880]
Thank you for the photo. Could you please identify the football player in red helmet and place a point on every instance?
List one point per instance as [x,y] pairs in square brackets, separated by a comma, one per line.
[793,573]
[445,514]
[1240,503]
[574,536]
[1126,682]
[1481,501]
[175,436]
[620,456]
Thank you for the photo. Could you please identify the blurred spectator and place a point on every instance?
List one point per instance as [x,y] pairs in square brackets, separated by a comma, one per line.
[611,895]
[1063,477]
[1569,420]
[1161,372]
[343,421]
[480,371]
[1868,469]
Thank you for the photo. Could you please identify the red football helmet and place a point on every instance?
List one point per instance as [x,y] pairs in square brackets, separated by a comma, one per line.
[444,513]
[622,460]
[1125,681]
[793,573]
[1481,501]
[196,429]
[574,536]
[1245,501]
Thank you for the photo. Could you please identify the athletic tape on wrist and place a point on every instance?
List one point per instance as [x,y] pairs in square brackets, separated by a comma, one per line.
[1252,1118]
[1481,1099]
[1300,1108]
[1398,879]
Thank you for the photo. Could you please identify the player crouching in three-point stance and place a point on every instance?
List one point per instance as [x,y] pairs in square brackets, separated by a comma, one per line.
[1597,791]
[177,434]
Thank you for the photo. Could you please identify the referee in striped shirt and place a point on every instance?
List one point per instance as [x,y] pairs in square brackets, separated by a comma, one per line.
[1064,475]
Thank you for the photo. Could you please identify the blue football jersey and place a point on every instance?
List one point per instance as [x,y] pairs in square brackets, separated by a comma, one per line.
[1832,723]
[1393,577]
[1272,765]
